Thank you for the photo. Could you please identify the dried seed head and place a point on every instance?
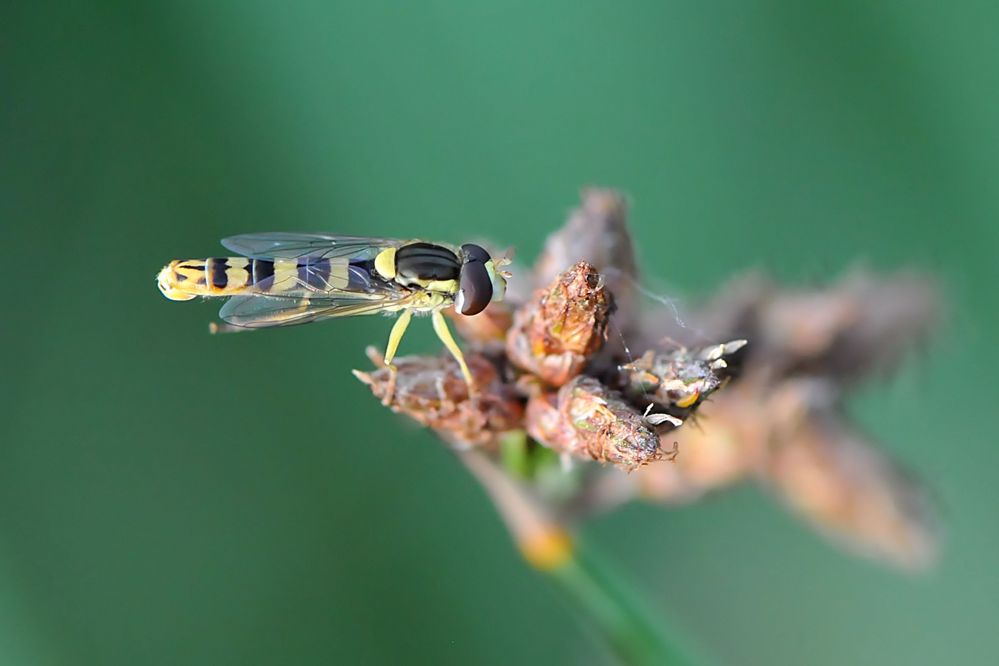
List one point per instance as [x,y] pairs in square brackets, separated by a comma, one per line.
[432,391]
[562,326]
[869,324]
[597,233]
[546,424]
[680,379]
[590,421]
[839,481]
[859,324]
[793,437]
[851,492]
[722,447]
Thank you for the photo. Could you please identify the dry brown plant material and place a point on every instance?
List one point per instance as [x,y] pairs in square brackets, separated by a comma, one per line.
[588,420]
[768,411]
[432,391]
[562,327]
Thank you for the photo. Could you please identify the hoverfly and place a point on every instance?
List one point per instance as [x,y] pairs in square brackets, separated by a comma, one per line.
[282,279]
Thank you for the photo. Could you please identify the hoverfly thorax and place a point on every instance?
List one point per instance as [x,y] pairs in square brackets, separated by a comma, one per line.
[479,283]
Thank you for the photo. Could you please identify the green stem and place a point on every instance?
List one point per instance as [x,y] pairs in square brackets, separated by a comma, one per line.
[632,628]
[613,607]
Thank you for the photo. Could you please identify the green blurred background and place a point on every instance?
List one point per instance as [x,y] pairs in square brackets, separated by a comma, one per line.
[167,497]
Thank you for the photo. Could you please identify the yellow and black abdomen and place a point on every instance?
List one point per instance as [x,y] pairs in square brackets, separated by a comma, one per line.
[184,279]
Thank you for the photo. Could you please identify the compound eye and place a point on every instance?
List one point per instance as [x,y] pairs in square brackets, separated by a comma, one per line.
[472,252]
[475,289]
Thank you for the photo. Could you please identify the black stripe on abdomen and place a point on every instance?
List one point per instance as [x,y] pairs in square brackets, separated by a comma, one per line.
[360,273]
[314,272]
[215,270]
[262,273]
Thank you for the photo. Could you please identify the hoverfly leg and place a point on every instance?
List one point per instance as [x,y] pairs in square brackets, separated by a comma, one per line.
[216,328]
[444,333]
[395,337]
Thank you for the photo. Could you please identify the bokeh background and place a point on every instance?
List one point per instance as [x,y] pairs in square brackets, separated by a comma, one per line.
[167,497]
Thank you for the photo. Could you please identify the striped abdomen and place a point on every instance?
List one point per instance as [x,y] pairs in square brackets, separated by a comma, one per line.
[184,279]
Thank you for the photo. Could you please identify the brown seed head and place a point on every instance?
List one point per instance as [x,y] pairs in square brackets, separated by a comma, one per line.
[856,326]
[679,379]
[794,438]
[590,421]
[848,329]
[836,479]
[597,233]
[722,447]
[432,391]
[562,326]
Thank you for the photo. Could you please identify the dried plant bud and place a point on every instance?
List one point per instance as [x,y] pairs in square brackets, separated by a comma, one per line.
[588,420]
[730,313]
[556,333]
[724,446]
[874,322]
[546,424]
[597,233]
[432,391]
[839,481]
[793,436]
[488,328]
[856,325]
[680,379]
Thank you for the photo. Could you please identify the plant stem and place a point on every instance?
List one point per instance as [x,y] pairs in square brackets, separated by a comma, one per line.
[630,627]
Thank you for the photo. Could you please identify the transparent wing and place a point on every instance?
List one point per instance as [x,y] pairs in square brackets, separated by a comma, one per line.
[314,280]
[282,245]
[255,311]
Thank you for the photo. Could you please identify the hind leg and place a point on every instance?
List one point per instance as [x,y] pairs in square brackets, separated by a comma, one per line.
[444,333]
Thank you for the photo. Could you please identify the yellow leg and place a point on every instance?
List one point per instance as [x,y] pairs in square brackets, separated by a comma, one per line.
[395,337]
[444,333]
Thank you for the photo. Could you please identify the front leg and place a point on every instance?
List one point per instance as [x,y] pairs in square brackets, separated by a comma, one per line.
[444,333]
[395,337]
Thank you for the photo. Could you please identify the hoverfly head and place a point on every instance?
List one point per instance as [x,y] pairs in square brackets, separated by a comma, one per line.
[479,282]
